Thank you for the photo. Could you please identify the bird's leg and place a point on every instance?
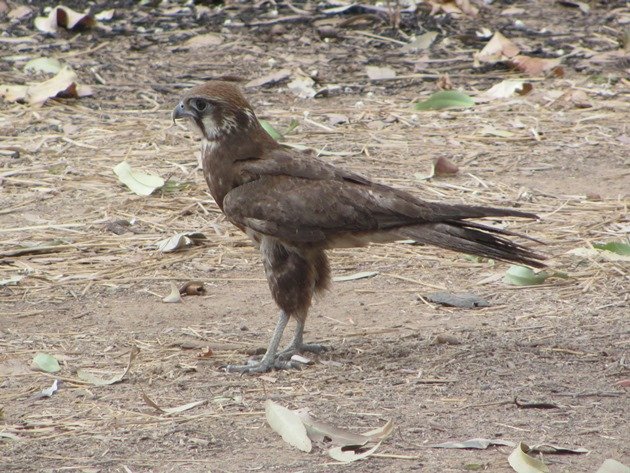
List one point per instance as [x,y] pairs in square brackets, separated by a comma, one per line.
[270,360]
[297,345]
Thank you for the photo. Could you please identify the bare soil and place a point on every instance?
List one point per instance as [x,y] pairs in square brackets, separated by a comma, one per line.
[89,295]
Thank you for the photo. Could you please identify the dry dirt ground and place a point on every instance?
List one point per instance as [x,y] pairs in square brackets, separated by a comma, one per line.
[92,289]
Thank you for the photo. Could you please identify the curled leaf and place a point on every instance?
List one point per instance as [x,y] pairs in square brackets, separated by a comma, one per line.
[179,241]
[352,453]
[98,381]
[521,462]
[62,85]
[174,295]
[505,89]
[63,17]
[444,167]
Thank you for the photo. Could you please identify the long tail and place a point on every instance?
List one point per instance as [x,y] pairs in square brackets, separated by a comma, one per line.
[477,239]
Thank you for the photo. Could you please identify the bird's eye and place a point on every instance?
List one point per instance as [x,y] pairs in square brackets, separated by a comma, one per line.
[199,104]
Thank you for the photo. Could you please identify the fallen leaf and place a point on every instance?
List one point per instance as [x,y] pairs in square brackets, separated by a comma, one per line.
[288,424]
[525,404]
[535,66]
[48,392]
[179,241]
[271,131]
[598,255]
[98,381]
[499,48]
[272,78]
[476,444]
[612,466]
[380,73]
[13,93]
[43,64]
[446,99]
[355,276]
[105,15]
[523,276]
[491,131]
[576,98]
[351,454]
[523,463]
[453,7]
[505,89]
[207,353]
[422,42]
[551,449]
[174,296]
[62,85]
[624,383]
[585,7]
[614,247]
[8,435]
[19,12]
[444,82]
[46,362]
[203,41]
[192,288]
[171,410]
[64,17]
[444,167]
[302,86]
[320,431]
[138,182]
[463,300]
[12,281]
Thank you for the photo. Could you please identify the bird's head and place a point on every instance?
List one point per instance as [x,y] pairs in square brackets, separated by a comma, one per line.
[217,110]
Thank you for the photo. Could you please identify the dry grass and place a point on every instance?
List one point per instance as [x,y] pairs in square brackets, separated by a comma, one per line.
[88,295]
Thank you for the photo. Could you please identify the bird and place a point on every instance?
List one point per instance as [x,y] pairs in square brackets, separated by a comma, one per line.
[295,206]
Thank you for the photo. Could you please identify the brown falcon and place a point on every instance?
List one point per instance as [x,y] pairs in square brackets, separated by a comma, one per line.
[295,206]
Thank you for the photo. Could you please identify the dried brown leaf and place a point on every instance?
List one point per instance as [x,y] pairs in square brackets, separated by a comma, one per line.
[64,17]
[499,48]
[535,66]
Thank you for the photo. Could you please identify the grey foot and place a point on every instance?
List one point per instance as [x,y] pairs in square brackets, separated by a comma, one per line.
[263,366]
[301,348]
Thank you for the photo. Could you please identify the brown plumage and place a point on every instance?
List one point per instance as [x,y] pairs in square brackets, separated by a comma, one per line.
[295,206]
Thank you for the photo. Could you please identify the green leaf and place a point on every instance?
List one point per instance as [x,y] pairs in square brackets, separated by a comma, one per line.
[271,131]
[614,247]
[138,182]
[174,186]
[47,363]
[292,126]
[446,99]
[524,276]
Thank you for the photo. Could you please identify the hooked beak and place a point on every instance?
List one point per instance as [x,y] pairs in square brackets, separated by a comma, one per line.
[181,112]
